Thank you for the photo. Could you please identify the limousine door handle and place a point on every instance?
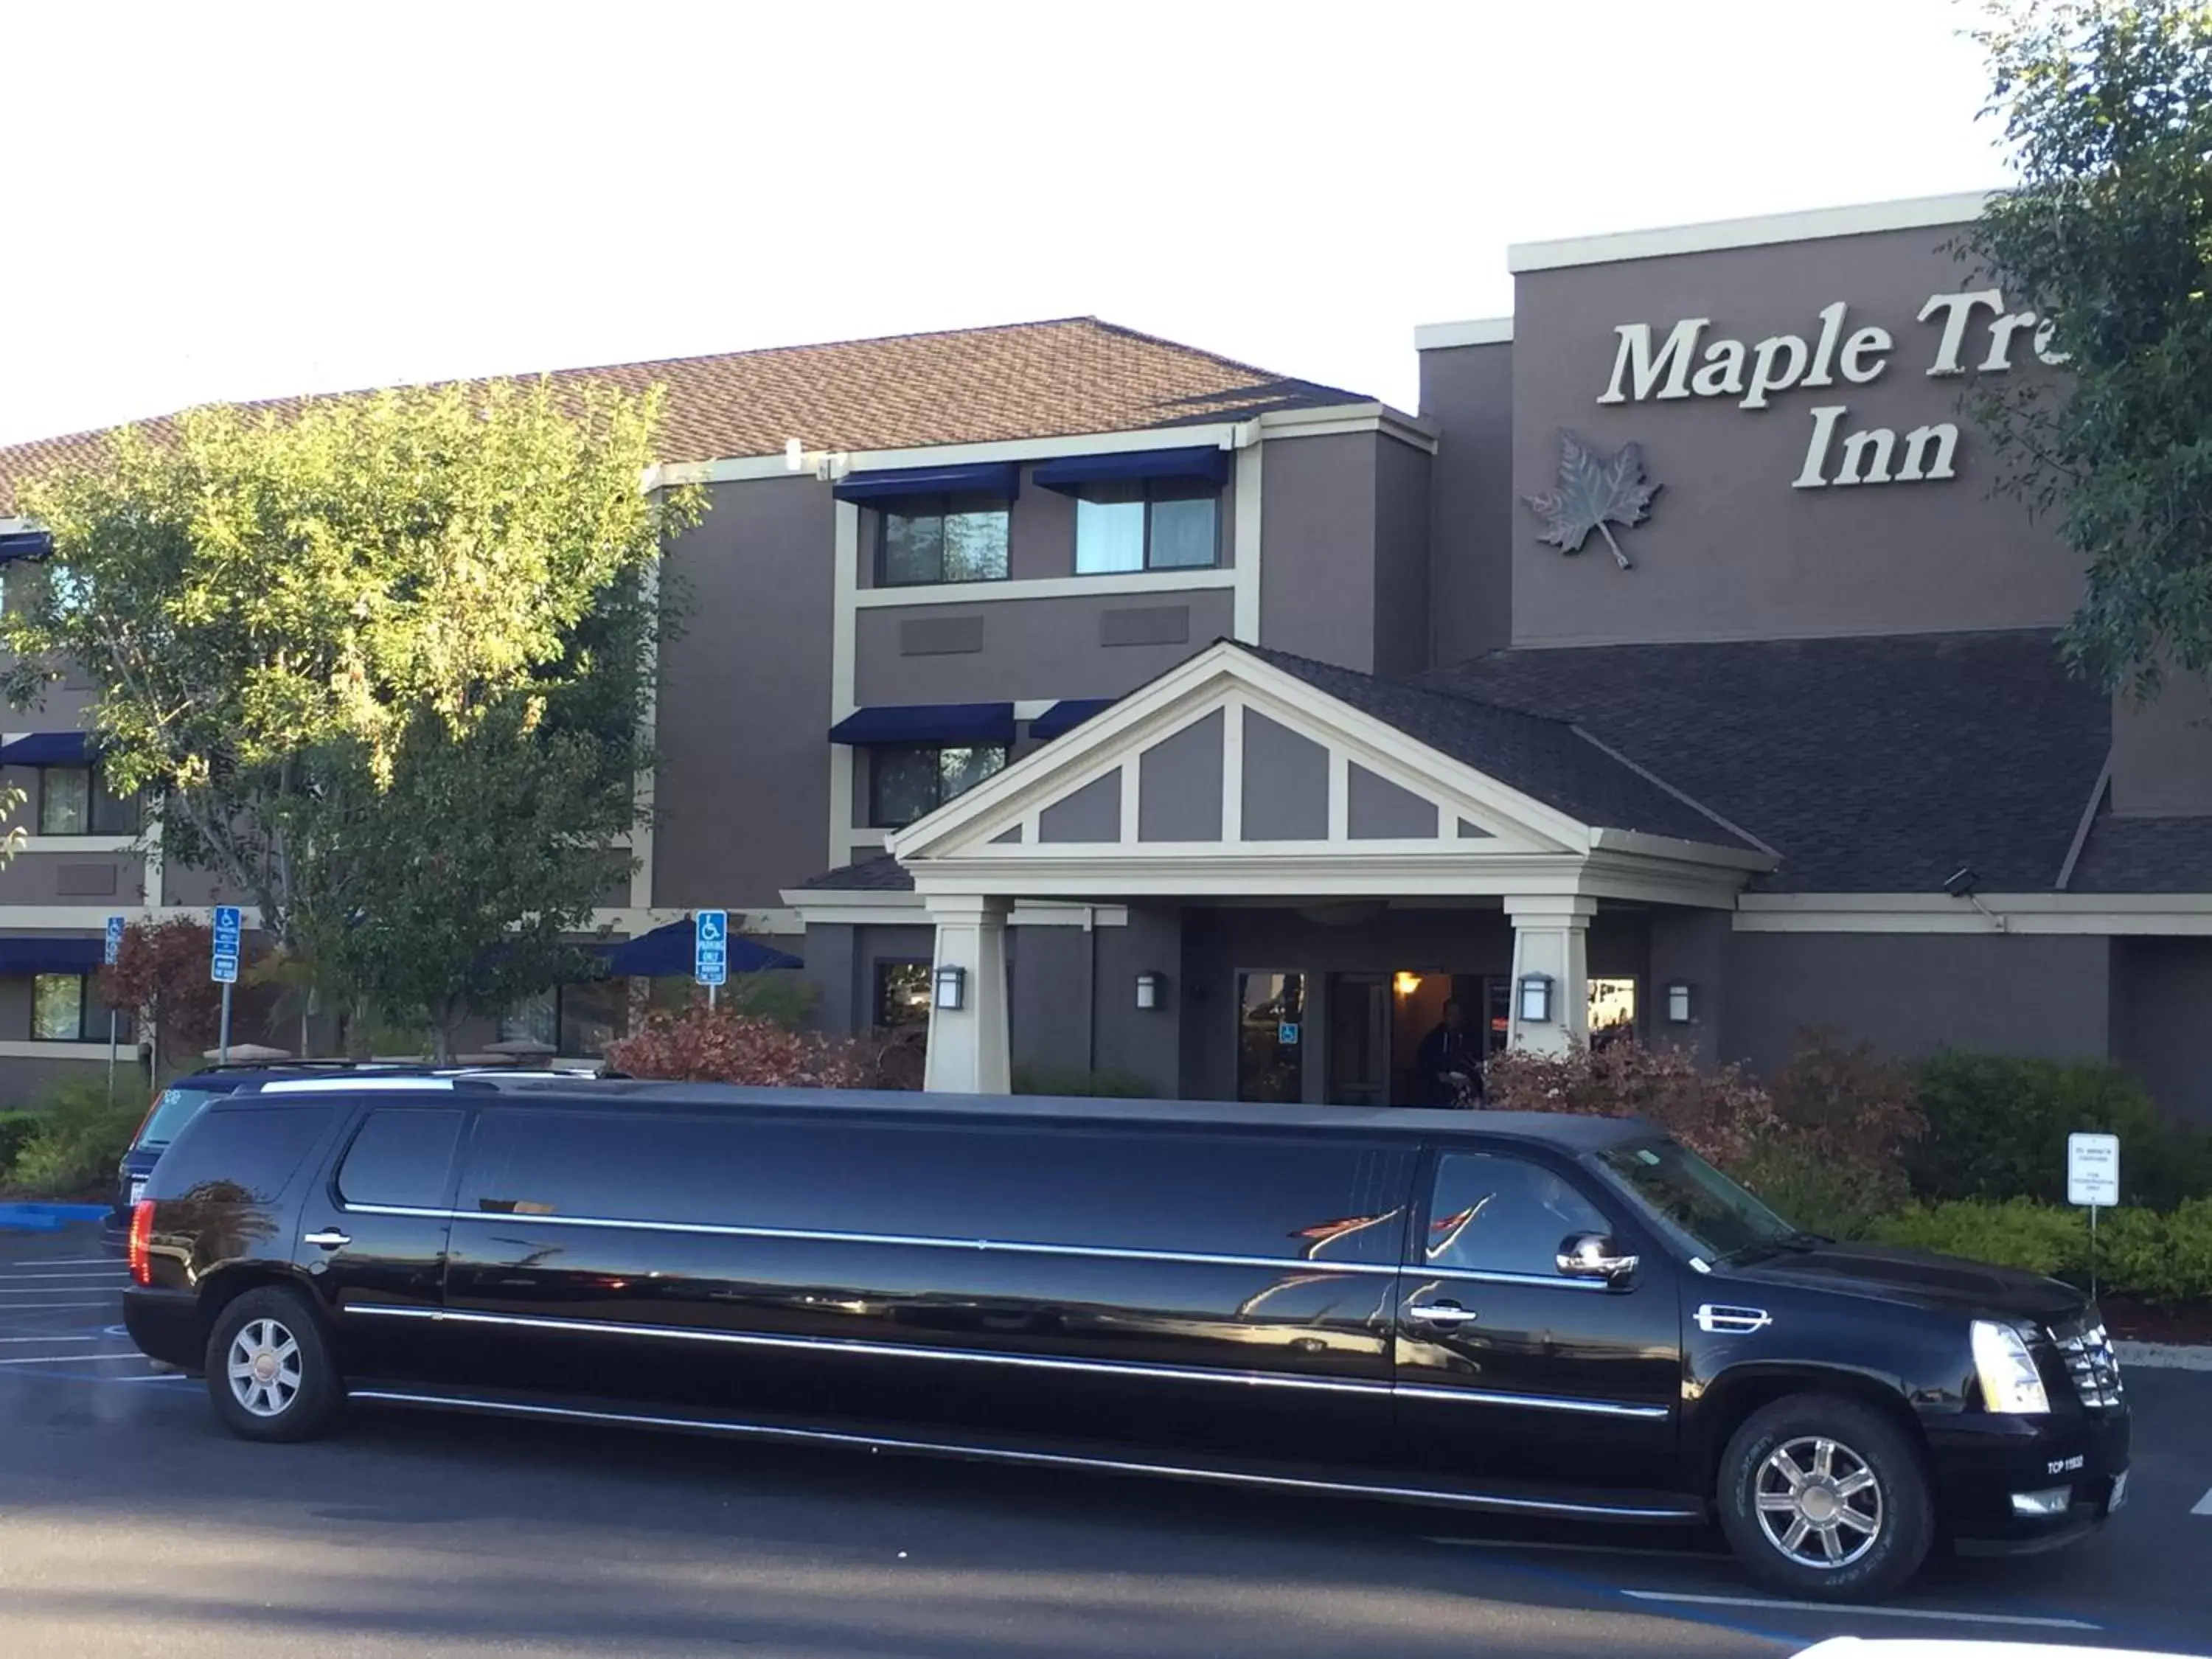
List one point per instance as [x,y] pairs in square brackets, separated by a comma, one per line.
[328,1239]
[1441,1315]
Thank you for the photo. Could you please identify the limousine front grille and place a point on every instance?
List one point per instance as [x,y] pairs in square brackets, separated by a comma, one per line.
[2085,1351]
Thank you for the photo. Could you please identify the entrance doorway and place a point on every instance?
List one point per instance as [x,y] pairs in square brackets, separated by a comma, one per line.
[1377,1023]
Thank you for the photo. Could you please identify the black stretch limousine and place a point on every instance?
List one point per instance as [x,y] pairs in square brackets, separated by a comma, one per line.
[1547,1315]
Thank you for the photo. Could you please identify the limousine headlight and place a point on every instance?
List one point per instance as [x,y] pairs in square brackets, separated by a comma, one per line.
[2009,1381]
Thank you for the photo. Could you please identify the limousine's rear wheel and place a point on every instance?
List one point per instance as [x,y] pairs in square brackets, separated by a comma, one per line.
[269,1368]
[1824,1497]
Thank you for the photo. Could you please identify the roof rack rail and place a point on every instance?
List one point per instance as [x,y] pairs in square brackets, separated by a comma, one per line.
[313,1065]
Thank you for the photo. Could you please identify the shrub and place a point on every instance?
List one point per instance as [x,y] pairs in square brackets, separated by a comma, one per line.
[17,1130]
[1842,1198]
[1106,1083]
[2035,1237]
[1719,1113]
[722,1045]
[160,977]
[1998,1128]
[1849,1103]
[78,1139]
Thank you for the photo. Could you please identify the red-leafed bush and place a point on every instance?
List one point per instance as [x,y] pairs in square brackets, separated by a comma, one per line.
[1719,1113]
[721,1045]
[160,977]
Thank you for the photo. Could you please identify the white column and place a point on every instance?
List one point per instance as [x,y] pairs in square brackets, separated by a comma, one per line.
[968,1045]
[1551,936]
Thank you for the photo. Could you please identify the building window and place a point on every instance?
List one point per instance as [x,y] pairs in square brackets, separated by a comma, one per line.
[910,782]
[534,1019]
[75,801]
[58,1007]
[1612,1010]
[942,539]
[1159,525]
[902,995]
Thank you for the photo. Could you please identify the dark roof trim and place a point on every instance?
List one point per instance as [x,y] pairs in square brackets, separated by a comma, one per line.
[2089,823]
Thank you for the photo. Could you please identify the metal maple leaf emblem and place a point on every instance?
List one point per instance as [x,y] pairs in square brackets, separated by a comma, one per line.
[1594,490]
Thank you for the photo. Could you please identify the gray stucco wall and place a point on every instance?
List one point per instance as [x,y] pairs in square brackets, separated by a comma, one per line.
[841,961]
[117,879]
[1029,648]
[1731,551]
[1317,526]
[2162,751]
[2161,1007]
[1285,783]
[1691,945]
[1911,994]
[743,787]
[1402,604]
[1467,393]
[1179,785]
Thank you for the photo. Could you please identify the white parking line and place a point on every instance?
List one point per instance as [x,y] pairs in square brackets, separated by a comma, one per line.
[52,1338]
[51,1307]
[1582,1549]
[117,1278]
[73,1288]
[1833,1610]
[76,1358]
[72,1261]
[2204,1504]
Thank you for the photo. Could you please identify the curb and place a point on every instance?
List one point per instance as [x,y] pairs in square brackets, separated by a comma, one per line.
[46,1218]
[2164,1355]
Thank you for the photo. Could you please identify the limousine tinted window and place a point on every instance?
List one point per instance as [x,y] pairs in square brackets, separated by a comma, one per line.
[403,1155]
[1503,1215]
[1233,1194]
[247,1153]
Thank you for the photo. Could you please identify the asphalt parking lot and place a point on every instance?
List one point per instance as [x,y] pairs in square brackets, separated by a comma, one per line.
[130,1525]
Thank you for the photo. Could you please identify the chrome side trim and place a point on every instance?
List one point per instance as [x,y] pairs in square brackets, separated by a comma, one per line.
[1542,1281]
[1033,1459]
[1539,1402]
[1714,1319]
[807,1235]
[877,1349]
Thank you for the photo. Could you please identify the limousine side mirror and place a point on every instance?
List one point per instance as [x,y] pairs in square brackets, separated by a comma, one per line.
[1595,1256]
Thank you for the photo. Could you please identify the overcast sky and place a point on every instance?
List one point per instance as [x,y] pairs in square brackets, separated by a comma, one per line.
[218,201]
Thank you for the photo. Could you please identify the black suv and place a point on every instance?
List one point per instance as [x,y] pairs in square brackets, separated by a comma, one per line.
[1536,1315]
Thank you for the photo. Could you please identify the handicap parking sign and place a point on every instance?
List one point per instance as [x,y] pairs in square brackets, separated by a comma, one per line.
[223,966]
[710,950]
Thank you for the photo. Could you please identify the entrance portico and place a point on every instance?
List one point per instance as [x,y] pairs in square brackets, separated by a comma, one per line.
[1251,780]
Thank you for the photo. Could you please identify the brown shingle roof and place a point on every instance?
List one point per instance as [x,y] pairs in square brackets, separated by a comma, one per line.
[1056,379]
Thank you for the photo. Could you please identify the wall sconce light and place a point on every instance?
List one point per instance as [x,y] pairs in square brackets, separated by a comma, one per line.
[952,986]
[1406,983]
[1677,1001]
[1151,990]
[1535,999]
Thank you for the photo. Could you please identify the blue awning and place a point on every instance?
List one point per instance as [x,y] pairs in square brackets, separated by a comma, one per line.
[1000,478]
[928,722]
[1065,715]
[48,748]
[24,544]
[22,954]
[1207,465]
[669,953]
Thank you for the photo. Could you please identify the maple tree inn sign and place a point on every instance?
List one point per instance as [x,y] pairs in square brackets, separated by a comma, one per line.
[1971,328]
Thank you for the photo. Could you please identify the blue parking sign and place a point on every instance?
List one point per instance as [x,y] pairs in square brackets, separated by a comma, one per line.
[710,947]
[223,967]
[113,948]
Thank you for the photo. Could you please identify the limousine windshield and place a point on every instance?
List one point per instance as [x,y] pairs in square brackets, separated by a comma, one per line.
[1706,1214]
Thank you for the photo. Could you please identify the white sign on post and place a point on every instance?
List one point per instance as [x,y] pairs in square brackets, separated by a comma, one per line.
[2092,1170]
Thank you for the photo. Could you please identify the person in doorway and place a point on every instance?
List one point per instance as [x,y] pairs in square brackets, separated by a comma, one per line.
[1450,1063]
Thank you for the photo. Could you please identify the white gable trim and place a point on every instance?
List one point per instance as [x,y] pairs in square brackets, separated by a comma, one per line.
[1225,676]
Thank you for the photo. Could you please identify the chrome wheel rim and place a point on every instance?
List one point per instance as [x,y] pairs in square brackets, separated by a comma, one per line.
[264,1367]
[1818,1503]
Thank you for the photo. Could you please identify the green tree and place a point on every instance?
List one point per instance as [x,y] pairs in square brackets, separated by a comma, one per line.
[382,661]
[2107,113]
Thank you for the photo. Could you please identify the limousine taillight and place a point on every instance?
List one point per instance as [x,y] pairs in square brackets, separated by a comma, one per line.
[142,1241]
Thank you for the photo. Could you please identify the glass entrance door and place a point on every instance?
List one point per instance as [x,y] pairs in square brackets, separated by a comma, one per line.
[1360,1039]
[1270,1037]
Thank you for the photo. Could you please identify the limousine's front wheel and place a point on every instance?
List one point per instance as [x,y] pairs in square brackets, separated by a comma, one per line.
[1824,1498]
[270,1370]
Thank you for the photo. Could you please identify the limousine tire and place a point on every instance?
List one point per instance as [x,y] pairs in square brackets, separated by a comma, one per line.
[269,1370]
[1824,1498]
